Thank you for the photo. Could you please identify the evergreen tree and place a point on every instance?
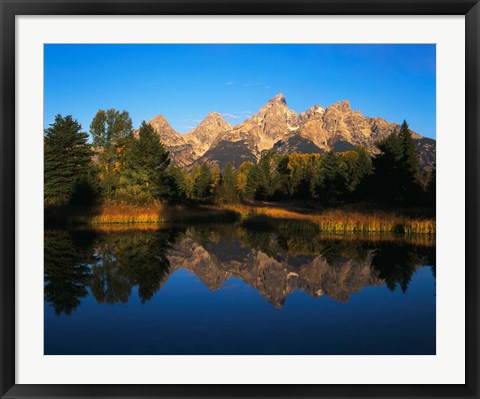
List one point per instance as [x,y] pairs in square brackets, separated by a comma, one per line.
[203,184]
[298,173]
[409,165]
[146,166]
[178,183]
[255,188]
[67,159]
[263,178]
[153,157]
[226,192]
[269,175]
[395,179]
[190,181]
[410,154]
[431,191]
[358,166]
[229,176]
[384,185]
[332,186]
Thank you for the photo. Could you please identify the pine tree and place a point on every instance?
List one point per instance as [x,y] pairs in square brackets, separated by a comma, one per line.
[190,181]
[298,174]
[409,165]
[431,191]
[146,166]
[178,183]
[226,192]
[263,178]
[332,187]
[385,183]
[229,176]
[396,176]
[410,154]
[67,159]
[269,174]
[358,166]
[202,186]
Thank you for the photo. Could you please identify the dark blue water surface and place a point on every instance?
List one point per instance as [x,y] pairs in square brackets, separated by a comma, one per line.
[230,290]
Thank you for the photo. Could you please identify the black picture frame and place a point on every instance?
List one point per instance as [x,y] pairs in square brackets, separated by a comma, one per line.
[10,9]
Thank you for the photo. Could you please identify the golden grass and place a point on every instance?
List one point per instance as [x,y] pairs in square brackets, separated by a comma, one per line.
[121,214]
[339,221]
[423,240]
[125,214]
[122,227]
[422,226]
[331,221]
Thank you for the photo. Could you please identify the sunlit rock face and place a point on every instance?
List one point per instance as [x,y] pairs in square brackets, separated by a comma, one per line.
[336,128]
[181,152]
[168,136]
[247,140]
[202,137]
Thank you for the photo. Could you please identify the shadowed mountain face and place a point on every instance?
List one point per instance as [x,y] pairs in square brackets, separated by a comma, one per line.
[336,128]
[276,264]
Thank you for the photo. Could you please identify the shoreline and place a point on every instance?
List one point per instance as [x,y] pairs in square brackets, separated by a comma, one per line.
[254,216]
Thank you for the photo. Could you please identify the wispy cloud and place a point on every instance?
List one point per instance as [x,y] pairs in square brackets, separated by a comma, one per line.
[231,116]
[229,83]
[196,120]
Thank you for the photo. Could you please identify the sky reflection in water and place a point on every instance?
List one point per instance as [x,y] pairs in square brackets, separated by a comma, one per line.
[229,290]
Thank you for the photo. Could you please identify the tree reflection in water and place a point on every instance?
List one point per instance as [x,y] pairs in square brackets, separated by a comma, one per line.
[124,260]
[275,261]
[67,272]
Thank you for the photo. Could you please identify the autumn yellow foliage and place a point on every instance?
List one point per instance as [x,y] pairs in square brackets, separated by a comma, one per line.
[341,221]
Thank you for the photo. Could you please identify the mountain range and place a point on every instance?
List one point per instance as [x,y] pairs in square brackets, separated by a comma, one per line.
[336,128]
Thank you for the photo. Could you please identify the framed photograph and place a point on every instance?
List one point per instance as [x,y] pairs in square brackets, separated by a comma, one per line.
[247,199]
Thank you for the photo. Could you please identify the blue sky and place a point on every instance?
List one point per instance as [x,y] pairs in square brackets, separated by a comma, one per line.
[186,82]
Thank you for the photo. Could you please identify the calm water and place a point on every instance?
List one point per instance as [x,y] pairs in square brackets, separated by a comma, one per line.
[229,290]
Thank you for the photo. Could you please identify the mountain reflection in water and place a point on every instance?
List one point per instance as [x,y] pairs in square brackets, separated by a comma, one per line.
[275,263]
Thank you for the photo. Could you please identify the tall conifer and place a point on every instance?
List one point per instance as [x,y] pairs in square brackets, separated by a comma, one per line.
[66,159]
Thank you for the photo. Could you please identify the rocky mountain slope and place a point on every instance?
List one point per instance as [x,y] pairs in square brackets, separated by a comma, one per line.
[317,130]
[202,137]
[181,152]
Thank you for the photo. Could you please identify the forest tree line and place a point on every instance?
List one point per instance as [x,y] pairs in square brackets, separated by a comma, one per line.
[121,165]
